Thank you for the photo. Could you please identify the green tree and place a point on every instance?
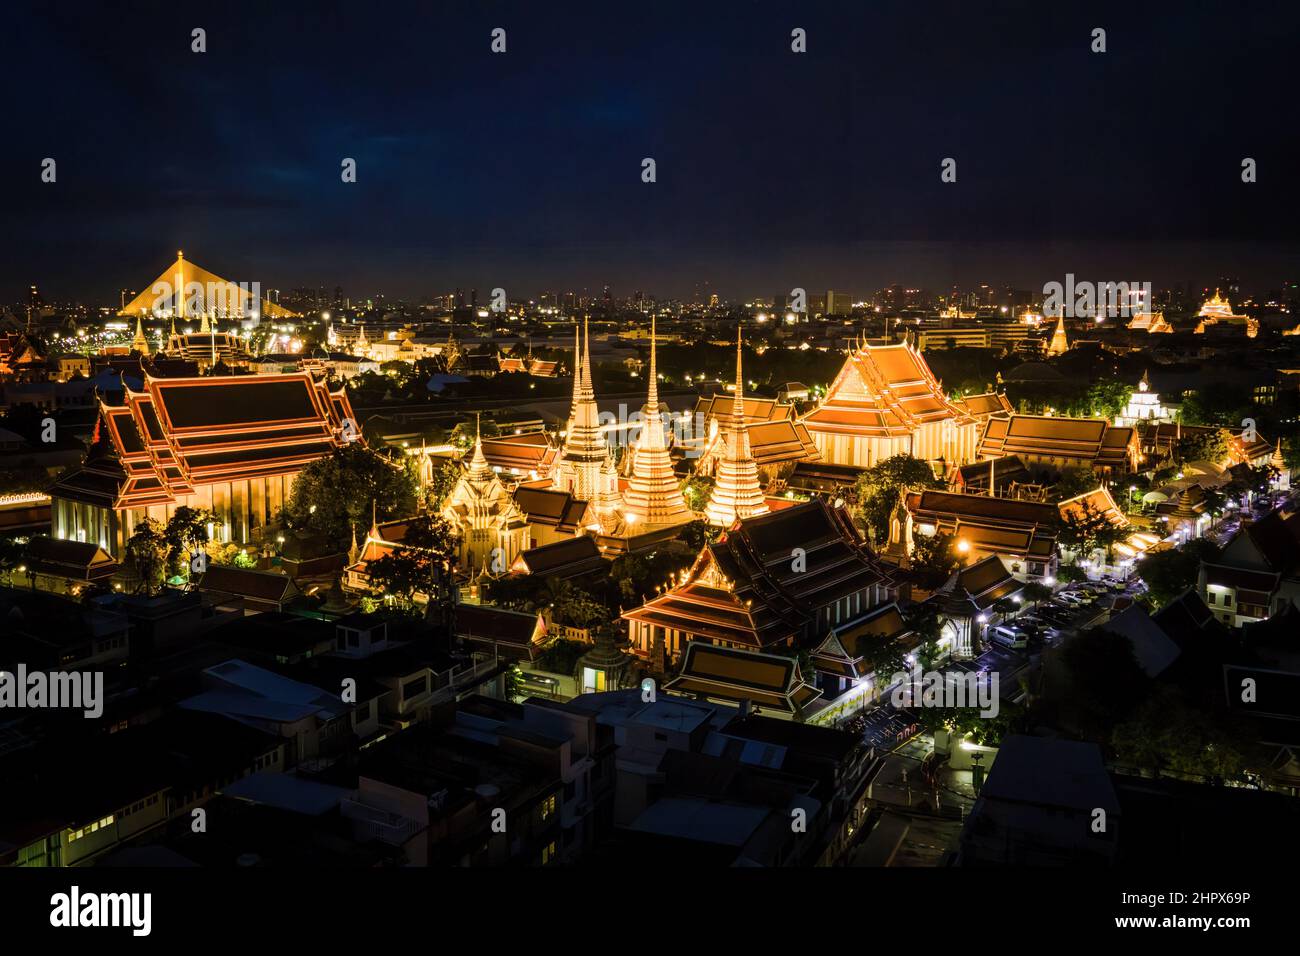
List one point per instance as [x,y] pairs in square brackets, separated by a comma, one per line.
[697,491]
[934,558]
[147,553]
[887,657]
[1209,446]
[1090,684]
[1087,529]
[334,494]
[1107,398]
[923,621]
[1166,734]
[1169,573]
[446,473]
[1214,501]
[422,564]
[187,534]
[878,488]
[462,436]
[1074,482]
[1035,593]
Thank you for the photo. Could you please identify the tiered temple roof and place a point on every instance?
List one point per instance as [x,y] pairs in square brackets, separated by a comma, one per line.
[559,510]
[851,651]
[769,579]
[885,401]
[180,433]
[1085,442]
[493,530]
[985,406]
[730,674]
[530,454]
[988,525]
[884,391]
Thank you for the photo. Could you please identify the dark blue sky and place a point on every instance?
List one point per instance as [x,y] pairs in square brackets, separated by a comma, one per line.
[523,170]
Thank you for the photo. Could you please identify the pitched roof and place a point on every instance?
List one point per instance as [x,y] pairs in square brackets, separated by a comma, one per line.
[493,626]
[551,507]
[564,559]
[984,405]
[259,585]
[82,560]
[884,391]
[726,673]
[529,452]
[1091,440]
[180,433]
[766,578]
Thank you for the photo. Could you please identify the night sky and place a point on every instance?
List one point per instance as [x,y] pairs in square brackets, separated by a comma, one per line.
[522,170]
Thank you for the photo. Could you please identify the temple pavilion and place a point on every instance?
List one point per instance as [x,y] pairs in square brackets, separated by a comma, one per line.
[492,529]
[775,580]
[232,445]
[885,401]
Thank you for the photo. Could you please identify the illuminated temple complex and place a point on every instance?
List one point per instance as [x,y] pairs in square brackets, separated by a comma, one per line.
[885,401]
[232,445]
[1218,312]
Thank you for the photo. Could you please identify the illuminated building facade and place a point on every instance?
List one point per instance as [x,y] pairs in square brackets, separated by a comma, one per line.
[1218,312]
[491,528]
[232,445]
[746,591]
[885,401]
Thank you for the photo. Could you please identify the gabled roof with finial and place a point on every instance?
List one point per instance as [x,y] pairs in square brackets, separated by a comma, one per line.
[884,391]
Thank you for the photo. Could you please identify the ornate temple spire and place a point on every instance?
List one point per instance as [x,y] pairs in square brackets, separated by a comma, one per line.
[653,497]
[479,469]
[1060,344]
[140,343]
[588,391]
[736,492]
[582,470]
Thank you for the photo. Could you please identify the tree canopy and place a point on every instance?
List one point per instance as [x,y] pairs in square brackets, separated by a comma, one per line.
[878,489]
[334,494]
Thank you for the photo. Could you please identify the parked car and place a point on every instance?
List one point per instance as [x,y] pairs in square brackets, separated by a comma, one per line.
[1009,637]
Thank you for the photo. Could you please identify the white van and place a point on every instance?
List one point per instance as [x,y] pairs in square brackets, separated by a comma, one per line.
[1009,637]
